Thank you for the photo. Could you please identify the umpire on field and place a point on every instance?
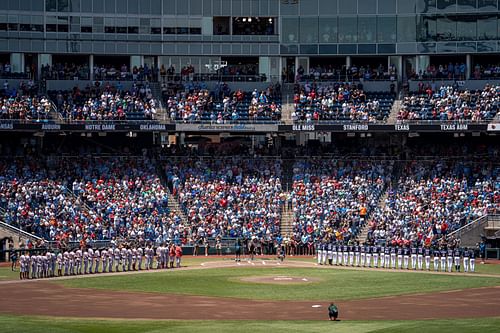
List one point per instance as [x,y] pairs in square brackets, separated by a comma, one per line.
[333,312]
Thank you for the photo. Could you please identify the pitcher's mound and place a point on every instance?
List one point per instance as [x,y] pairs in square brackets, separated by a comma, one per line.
[279,279]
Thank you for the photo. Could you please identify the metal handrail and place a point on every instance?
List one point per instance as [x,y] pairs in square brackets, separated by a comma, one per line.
[19,231]
[474,224]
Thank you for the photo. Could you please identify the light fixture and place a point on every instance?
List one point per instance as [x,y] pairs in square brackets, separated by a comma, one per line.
[244,19]
[270,20]
[249,19]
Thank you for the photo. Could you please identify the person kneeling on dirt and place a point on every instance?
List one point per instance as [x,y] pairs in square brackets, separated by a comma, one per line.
[333,312]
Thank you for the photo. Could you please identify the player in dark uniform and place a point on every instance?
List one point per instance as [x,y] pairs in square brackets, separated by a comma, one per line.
[330,246]
[368,254]
[363,255]
[387,257]
[393,257]
[350,250]
[443,259]
[427,254]
[466,260]
[345,254]
[413,252]
[472,261]
[436,259]
[400,257]
[406,257]
[456,258]
[335,253]
[375,253]
[357,254]
[449,258]
[381,251]
[420,257]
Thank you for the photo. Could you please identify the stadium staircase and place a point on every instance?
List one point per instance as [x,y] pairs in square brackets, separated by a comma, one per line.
[286,220]
[287,99]
[363,234]
[393,116]
[161,113]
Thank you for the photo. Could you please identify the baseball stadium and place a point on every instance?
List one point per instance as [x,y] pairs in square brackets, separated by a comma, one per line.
[249,166]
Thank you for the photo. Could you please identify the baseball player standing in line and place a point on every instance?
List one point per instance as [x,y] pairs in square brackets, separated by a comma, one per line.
[350,250]
[436,256]
[117,259]
[456,259]
[413,252]
[466,260]
[66,262]
[334,253]
[22,266]
[420,257]
[111,259]
[172,255]
[368,255]
[159,256]
[324,255]
[363,255]
[472,261]
[124,258]
[104,259]
[178,256]
[85,261]
[78,260]
[330,246]
[339,254]
[72,262]
[406,256]
[345,255]
[139,257]
[59,263]
[357,254]
[400,257]
[382,256]
[427,254]
[129,258]
[387,256]
[443,260]
[393,257]
[97,259]
[449,258]
[134,258]
[375,250]
[91,259]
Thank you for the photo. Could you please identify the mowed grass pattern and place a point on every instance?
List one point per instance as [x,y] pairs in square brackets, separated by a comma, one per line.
[58,325]
[334,284]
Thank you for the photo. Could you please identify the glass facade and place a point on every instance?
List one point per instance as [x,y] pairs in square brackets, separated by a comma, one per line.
[211,27]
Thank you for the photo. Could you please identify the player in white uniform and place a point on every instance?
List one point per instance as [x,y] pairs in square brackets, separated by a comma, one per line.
[91,260]
[146,255]
[139,257]
[59,264]
[129,258]
[39,266]
[22,266]
[33,266]
[117,255]
[124,256]
[97,261]
[111,260]
[85,261]
[78,261]
[159,256]
[104,259]
[66,263]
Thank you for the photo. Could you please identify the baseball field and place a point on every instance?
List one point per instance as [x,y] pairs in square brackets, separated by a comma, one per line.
[218,295]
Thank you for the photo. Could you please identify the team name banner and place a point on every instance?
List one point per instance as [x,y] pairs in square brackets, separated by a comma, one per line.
[85,127]
[226,128]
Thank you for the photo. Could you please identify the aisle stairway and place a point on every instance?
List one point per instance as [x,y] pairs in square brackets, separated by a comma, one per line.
[393,116]
[286,220]
[287,103]
[363,234]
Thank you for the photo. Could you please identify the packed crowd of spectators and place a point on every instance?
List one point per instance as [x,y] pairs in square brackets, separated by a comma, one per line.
[451,103]
[18,105]
[448,71]
[109,102]
[65,71]
[67,200]
[332,198]
[106,72]
[340,102]
[194,104]
[433,199]
[230,197]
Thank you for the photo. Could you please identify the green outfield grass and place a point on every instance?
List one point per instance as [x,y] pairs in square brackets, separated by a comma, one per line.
[65,325]
[334,284]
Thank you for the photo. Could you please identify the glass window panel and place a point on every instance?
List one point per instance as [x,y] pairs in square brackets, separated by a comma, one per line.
[367,31]
[487,28]
[109,6]
[74,5]
[289,30]
[37,5]
[195,7]
[348,30]
[406,6]
[87,6]
[145,7]
[51,5]
[133,6]
[328,7]
[328,30]
[407,29]
[309,30]
[183,7]
[487,5]
[347,7]
[426,6]
[466,28]
[386,6]
[386,29]
[308,7]
[367,7]
[426,28]
[63,5]
[447,5]
[446,29]
[466,5]
[98,6]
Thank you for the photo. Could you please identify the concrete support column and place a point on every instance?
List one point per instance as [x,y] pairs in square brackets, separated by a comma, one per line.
[348,61]
[17,62]
[91,66]
[468,66]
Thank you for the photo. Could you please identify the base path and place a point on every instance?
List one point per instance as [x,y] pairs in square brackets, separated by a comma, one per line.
[49,299]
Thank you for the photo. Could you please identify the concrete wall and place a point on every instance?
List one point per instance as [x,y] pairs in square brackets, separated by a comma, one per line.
[470,84]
